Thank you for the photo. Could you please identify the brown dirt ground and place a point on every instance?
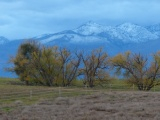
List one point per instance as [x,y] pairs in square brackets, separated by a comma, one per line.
[100,106]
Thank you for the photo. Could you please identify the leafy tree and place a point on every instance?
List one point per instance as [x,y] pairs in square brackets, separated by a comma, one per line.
[53,66]
[23,59]
[136,69]
[45,66]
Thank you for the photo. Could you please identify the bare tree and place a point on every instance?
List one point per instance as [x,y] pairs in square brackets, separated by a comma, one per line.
[69,66]
[136,69]
[93,65]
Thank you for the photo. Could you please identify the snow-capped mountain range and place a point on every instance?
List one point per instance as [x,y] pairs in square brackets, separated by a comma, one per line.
[114,39]
[126,32]
[91,32]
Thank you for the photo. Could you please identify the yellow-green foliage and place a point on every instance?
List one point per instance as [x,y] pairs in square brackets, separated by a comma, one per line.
[51,66]
[136,69]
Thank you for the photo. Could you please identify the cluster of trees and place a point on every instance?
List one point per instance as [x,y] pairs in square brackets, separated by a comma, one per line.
[54,66]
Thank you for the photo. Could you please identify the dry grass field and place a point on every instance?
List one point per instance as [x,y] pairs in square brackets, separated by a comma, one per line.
[106,105]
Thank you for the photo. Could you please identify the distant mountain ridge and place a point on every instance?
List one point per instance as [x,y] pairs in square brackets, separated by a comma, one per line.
[114,39]
[3,40]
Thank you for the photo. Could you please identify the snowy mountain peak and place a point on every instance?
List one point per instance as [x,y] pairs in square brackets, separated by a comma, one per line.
[129,27]
[90,28]
[129,32]
[3,40]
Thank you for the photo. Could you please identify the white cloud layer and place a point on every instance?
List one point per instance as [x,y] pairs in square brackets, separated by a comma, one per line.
[26,18]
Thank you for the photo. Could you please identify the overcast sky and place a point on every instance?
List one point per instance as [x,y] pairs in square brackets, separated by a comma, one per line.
[28,18]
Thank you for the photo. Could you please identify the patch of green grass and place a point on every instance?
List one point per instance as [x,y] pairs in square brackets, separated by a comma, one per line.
[9,81]
[7,109]
[118,81]
[28,95]
[12,90]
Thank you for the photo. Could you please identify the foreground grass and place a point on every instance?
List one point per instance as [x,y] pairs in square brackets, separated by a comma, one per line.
[14,93]
[113,105]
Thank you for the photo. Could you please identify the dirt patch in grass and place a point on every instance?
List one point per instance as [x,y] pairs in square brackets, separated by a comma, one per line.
[99,106]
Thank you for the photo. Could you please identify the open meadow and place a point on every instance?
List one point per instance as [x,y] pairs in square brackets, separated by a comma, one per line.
[20,102]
